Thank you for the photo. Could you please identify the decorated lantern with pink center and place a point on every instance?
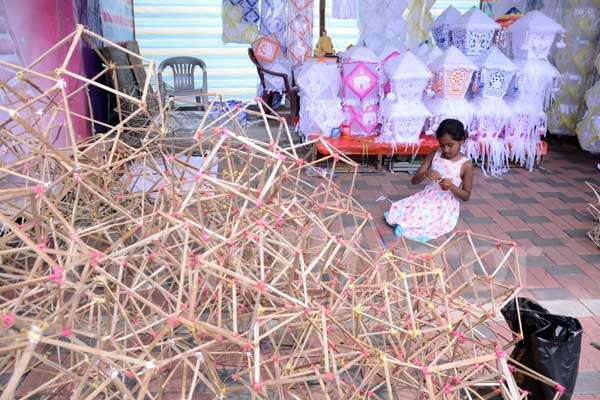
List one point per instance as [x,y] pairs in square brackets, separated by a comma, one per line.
[452,73]
[360,90]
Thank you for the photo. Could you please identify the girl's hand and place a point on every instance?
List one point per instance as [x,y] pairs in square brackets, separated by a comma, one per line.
[434,176]
[446,184]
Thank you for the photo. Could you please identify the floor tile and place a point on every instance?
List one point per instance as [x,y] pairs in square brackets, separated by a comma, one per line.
[552,293]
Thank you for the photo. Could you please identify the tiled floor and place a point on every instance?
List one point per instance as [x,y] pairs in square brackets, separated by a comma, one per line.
[544,212]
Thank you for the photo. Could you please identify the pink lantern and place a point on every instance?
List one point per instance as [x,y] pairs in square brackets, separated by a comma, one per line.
[360,83]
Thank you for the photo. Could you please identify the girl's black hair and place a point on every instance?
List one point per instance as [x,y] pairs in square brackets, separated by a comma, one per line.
[452,127]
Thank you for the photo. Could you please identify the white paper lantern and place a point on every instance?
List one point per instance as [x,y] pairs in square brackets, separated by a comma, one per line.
[442,25]
[473,33]
[491,113]
[533,35]
[403,115]
[320,107]
[403,121]
[408,75]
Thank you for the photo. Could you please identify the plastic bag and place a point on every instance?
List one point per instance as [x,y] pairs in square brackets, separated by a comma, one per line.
[551,347]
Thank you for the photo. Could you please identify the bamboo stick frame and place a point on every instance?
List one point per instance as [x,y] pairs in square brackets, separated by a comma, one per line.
[130,270]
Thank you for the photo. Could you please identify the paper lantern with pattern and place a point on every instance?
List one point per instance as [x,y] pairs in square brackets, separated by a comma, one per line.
[360,78]
[473,33]
[491,113]
[452,73]
[442,27]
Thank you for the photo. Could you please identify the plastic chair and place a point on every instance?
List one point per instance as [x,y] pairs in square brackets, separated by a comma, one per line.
[290,90]
[183,79]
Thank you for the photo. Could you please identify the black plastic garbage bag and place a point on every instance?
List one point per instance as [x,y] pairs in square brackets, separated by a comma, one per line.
[551,346]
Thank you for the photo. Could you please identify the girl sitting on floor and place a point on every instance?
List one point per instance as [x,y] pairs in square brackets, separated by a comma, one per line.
[434,211]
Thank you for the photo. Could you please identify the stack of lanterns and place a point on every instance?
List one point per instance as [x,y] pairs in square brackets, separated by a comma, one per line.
[360,90]
[403,114]
[532,37]
[465,77]
[473,34]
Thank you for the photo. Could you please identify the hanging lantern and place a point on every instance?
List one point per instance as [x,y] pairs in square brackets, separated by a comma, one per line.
[473,33]
[320,107]
[360,84]
[452,73]
[492,114]
[408,75]
[299,30]
[273,20]
[442,25]
[403,114]
[533,35]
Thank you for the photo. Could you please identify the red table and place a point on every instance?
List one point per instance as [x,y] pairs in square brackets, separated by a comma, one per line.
[350,145]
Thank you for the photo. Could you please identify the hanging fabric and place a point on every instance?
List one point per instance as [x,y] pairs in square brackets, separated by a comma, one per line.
[299,30]
[273,20]
[240,21]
